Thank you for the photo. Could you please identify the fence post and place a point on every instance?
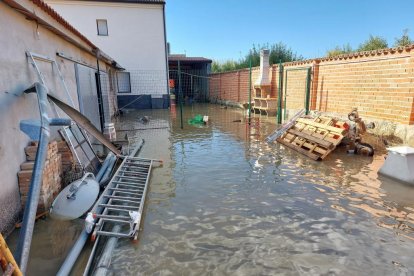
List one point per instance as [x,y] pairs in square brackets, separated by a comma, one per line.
[279,97]
[238,86]
[250,87]
[180,95]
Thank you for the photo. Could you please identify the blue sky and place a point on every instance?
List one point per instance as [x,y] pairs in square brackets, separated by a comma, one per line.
[227,29]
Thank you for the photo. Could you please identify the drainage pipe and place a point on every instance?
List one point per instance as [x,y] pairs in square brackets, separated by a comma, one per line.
[104,263]
[42,131]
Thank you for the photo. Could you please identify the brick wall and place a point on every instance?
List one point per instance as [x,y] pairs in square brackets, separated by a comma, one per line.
[380,83]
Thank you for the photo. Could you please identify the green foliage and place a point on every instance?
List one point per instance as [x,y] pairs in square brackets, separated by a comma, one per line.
[338,50]
[404,40]
[373,43]
[278,52]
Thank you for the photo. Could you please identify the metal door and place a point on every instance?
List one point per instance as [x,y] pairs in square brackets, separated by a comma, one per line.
[88,94]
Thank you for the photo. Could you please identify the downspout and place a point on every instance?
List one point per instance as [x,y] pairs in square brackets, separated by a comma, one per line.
[36,130]
[99,92]
[166,50]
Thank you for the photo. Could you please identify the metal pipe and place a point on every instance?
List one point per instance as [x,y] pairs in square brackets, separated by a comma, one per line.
[107,175]
[99,92]
[279,97]
[137,149]
[104,166]
[180,95]
[307,96]
[43,131]
[284,101]
[104,263]
[250,87]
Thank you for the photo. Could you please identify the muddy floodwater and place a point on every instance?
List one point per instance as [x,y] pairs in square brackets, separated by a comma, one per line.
[225,202]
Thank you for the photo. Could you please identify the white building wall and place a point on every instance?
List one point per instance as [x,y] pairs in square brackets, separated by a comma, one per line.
[135,38]
[18,35]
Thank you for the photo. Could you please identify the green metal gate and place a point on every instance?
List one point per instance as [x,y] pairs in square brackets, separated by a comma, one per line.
[284,74]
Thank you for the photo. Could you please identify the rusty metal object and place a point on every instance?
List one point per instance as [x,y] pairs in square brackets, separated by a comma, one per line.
[357,130]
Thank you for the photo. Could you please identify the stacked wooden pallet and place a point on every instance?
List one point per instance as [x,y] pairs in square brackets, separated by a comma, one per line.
[315,138]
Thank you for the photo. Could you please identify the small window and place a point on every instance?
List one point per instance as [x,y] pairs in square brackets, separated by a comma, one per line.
[102,27]
[124,82]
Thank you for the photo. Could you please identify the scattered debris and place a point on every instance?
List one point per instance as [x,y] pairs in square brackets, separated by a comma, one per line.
[198,120]
[237,121]
[84,122]
[76,199]
[357,129]
[279,132]
[315,138]
[144,120]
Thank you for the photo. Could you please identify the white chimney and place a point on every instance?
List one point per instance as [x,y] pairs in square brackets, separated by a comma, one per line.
[263,79]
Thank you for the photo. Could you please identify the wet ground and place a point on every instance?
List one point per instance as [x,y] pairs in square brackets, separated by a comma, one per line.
[226,202]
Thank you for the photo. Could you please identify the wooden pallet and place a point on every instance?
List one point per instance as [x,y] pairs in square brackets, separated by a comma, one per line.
[315,138]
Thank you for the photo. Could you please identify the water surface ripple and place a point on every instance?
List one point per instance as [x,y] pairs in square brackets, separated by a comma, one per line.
[225,202]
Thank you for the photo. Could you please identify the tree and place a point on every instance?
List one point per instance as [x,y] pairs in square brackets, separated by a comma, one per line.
[338,50]
[279,52]
[404,40]
[373,43]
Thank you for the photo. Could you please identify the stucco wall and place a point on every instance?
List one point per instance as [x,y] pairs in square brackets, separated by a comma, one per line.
[17,35]
[135,38]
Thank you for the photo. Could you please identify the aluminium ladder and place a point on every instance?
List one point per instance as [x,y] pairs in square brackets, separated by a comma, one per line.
[122,201]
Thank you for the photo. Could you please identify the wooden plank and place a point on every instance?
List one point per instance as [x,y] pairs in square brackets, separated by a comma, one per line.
[321,142]
[322,126]
[300,150]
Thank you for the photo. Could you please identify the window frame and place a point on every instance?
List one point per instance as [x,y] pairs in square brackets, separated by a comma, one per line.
[129,82]
[97,27]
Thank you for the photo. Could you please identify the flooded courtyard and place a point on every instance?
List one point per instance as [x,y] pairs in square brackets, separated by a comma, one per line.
[225,202]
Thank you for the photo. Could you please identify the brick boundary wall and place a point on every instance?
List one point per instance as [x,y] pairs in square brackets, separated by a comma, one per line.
[379,83]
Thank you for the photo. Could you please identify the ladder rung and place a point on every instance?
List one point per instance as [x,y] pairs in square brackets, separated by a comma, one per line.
[136,190]
[126,198]
[116,209]
[112,216]
[133,172]
[113,234]
[115,220]
[131,177]
[123,186]
[119,206]
[128,193]
[137,183]
[144,162]
[137,168]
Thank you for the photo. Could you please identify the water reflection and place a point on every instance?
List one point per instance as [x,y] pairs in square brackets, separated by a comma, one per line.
[225,202]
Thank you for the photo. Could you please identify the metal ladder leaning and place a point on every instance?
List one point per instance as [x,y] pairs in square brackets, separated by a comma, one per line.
[123,199]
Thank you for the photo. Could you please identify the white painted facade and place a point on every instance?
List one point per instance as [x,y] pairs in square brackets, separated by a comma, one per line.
[136,38]
[18,35]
